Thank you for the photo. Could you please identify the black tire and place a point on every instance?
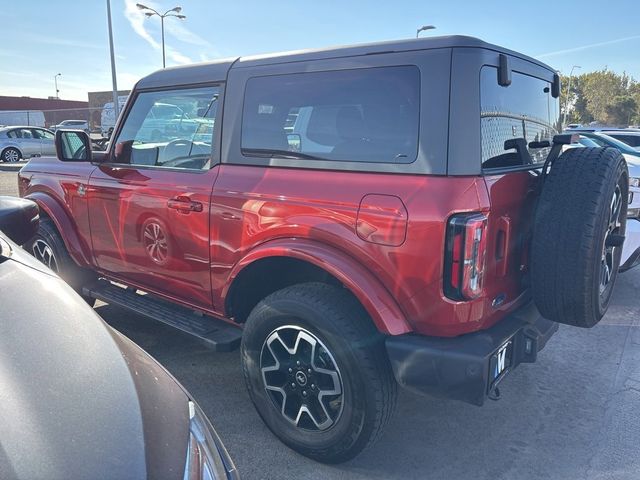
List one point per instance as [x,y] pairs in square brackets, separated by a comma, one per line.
[349,342]
[11,155]
[61,263]
[574,241]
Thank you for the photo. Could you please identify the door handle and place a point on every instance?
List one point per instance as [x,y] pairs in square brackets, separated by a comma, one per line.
[184,204]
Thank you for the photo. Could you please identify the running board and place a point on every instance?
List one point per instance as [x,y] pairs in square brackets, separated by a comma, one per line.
[212,332]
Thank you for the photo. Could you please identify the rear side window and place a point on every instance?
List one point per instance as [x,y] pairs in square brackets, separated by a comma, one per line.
[513,117]
[363,115]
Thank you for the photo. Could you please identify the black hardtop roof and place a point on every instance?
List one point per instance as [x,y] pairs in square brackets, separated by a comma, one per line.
[217,70]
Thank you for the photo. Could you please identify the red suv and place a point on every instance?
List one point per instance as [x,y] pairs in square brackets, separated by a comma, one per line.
[393,213]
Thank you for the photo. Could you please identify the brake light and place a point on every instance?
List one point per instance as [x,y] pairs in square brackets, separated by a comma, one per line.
[465,256]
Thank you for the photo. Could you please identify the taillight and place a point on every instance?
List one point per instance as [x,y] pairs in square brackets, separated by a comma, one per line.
[464,256]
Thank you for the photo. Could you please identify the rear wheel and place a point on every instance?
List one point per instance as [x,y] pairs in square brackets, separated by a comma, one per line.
[579,229]
[317,371]
[11,155]
[48,247]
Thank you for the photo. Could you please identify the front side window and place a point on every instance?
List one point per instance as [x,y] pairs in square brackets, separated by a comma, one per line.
[363,115]
[514,118]
[169,128]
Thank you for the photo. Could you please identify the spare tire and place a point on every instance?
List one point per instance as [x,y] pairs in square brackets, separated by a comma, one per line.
[578,232]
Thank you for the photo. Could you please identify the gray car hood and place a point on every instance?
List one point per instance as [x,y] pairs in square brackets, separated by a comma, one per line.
[77,399]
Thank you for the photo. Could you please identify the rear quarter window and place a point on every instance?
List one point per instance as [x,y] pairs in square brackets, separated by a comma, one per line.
[362,115]
[512,117]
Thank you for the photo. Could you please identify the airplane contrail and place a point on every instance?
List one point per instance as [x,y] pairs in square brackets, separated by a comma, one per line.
[586,47]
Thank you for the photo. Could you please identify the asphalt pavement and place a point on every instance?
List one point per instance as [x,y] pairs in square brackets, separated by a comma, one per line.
[572,415]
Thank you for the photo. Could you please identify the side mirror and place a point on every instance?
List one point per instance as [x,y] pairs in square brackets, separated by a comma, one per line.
[73,146]
[19,218]
[555,87]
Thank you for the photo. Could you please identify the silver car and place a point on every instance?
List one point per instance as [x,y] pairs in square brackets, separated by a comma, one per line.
[25,142]
[74,124]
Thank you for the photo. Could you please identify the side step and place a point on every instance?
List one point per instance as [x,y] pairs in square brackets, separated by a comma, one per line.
[214,333]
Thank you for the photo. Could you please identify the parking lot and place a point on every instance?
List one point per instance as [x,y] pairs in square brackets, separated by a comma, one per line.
[572,415]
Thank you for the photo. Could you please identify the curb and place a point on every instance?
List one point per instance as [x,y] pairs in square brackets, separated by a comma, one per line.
[11,167]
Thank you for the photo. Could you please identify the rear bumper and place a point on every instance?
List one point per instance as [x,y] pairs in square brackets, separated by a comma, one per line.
[459,368]
[631,248]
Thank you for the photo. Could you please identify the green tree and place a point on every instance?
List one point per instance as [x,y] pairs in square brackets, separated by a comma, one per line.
[602,96]
[621,110]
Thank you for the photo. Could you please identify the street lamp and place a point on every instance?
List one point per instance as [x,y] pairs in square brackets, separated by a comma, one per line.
[423,28]
[55,80]
[150,12]
[566,102]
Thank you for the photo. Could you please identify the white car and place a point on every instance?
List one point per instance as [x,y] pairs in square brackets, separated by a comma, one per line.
[73,124]
[631,249]
[25,142]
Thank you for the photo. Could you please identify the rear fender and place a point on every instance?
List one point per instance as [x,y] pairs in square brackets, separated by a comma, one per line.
[374,297]
[78,250]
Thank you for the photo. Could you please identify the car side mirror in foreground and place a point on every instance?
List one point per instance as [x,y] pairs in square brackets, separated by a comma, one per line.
[19,218]
[73,146]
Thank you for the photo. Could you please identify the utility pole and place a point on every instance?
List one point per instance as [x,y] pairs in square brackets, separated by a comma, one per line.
[116,105]
[566,102]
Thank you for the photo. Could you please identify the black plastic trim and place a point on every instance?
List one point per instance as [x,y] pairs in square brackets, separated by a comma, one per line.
[458,368]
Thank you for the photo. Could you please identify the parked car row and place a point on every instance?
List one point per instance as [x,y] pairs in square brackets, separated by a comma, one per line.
[593,139]
[629,136]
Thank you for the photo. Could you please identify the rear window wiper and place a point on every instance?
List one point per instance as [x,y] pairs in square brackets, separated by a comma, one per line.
[274,152]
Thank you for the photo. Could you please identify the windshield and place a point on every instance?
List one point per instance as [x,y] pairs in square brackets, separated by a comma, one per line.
[603,140]
[587,142]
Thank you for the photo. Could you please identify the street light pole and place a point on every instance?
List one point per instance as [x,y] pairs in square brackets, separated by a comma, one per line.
[116,105]
[423,28]
[566,102]
[164,62]
[55,80]
[150,12]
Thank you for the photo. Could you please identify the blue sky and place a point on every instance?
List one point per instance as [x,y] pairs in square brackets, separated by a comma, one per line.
[70,36]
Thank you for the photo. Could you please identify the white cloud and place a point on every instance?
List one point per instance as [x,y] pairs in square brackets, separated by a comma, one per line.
[587,47]
[176,28]
[137,19]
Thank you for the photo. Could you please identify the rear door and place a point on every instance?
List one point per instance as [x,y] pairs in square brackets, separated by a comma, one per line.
[149,204]
[512,119]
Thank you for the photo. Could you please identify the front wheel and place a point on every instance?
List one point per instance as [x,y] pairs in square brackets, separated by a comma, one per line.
[317,371]
[48,247]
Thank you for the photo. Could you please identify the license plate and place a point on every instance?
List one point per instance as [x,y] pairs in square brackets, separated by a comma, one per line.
[500,362]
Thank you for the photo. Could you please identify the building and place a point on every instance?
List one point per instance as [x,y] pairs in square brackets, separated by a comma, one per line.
[54,110]
[97,101]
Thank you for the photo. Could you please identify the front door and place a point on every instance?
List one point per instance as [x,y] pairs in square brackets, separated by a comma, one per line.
[149,203]
[47,141]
